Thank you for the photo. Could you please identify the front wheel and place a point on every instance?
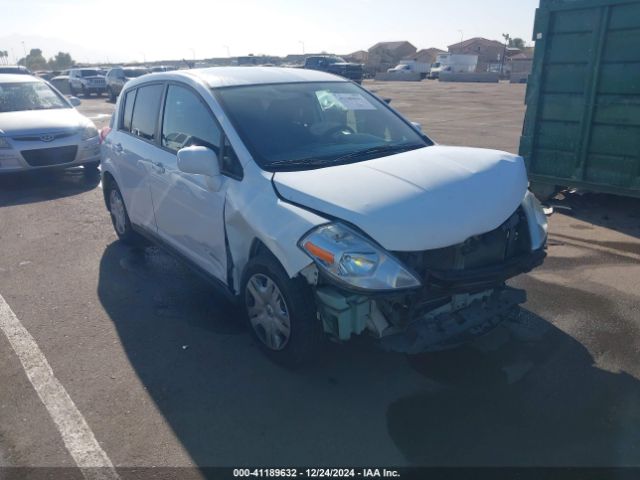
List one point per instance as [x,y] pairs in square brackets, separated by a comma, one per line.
[281,312]
[112,95]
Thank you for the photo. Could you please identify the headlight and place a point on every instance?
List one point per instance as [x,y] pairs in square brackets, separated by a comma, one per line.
[537,220]
[351,259]
[89,132]
[4,143]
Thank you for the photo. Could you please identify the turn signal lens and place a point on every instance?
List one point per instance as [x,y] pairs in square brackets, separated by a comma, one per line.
[320,253]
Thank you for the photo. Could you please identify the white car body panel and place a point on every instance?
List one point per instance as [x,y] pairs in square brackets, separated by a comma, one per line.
[133,169]
[418,200]
[189,215]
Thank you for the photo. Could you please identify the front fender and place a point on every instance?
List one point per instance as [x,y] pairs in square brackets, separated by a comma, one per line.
[262,215]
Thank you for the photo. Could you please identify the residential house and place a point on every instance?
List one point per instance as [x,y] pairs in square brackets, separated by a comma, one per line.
[385,55]
[489,52]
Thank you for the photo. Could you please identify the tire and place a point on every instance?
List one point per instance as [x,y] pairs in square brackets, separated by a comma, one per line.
[73,91]
[112,96]
[85,92]
[264,306]
[121,224]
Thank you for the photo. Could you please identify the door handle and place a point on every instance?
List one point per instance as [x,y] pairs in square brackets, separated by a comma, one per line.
[159,167]
[118,147]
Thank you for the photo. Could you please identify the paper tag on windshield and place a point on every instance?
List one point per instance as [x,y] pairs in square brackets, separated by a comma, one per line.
[354,101]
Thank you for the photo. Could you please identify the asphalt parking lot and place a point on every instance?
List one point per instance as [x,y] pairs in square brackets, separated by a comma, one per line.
[166,375]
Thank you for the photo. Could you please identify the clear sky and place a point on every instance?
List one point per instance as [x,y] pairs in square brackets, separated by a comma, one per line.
[130,30]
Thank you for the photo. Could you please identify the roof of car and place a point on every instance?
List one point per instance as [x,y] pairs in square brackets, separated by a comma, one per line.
[18,78]
[234,76]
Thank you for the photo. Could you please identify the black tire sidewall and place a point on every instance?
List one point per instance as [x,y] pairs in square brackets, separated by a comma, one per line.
[130,237]
[306,335]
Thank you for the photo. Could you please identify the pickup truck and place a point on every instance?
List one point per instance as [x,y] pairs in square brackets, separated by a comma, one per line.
[335,65]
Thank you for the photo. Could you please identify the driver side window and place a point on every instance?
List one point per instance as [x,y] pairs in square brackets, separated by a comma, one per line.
[187,122]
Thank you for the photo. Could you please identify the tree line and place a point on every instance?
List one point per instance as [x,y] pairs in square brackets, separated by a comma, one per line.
[36,61]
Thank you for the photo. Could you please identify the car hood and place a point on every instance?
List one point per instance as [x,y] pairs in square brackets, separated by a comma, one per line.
[424,199]
[38,121]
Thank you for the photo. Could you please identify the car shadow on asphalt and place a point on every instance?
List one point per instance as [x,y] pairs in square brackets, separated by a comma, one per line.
[43,185]
[527,394]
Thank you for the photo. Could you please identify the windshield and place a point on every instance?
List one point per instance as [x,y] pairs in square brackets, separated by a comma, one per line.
[89,73]
[134,72]
[15,97]
[293,126]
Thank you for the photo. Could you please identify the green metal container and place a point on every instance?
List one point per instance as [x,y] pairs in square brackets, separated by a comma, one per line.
[582,126]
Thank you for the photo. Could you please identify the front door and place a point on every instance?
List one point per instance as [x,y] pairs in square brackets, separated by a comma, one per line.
[189,214]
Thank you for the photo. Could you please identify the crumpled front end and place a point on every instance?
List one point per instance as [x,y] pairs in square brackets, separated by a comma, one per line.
[463,293]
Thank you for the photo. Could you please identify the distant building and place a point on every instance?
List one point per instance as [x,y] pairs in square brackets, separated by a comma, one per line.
[426,55]
[385,55]
[520,66]
[489,52]
[361,56]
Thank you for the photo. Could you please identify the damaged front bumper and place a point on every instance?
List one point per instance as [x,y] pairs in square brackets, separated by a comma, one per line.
[452,309]
[448,329]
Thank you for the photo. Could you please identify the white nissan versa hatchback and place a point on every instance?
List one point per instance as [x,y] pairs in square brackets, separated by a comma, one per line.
[320,209]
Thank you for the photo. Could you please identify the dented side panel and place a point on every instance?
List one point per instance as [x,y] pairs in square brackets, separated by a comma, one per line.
[263,216]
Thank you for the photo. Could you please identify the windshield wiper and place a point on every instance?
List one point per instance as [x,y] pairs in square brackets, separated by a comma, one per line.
[390,149]
[324,161]
[312,162]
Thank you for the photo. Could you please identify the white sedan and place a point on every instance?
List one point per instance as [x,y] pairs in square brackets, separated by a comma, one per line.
[40,128]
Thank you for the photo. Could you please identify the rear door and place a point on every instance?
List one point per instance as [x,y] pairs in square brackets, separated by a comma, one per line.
[135,146]
[189,214]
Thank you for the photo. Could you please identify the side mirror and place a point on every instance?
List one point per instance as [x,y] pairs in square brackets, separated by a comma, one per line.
[75,101]
[201,161]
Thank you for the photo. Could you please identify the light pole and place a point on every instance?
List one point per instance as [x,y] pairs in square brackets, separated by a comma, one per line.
[461,35]
[301,43]
[507,37]
[228,50]
[193,53]
[144,57]
[24,49]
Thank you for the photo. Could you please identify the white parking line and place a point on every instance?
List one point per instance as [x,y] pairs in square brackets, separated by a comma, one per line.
[74,430]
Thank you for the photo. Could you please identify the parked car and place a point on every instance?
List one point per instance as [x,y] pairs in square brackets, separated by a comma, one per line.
[335,65]
[40,128]
[61,82]
[15,69]
[46,74]
[319,208]
[118,76]
[162,68]
[86,81]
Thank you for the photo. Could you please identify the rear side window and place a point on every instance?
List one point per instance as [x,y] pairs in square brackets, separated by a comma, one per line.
[145,111]
[187,122]
[129,100]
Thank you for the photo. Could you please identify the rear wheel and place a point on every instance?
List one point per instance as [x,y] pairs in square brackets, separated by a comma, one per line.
[120,218]
[281,312]
[112,95]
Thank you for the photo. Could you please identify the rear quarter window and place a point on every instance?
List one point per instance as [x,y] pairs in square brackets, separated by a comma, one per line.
[127,113]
